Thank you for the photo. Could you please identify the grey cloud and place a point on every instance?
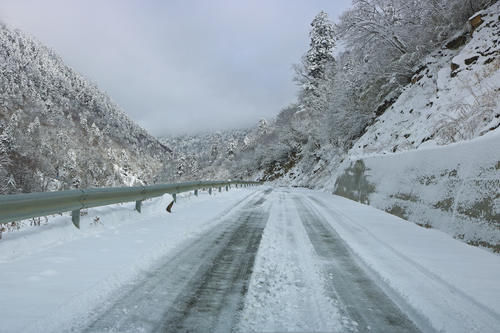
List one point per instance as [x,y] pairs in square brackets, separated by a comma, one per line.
[180,66]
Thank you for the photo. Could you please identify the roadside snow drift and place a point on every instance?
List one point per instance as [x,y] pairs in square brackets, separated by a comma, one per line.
[453,188]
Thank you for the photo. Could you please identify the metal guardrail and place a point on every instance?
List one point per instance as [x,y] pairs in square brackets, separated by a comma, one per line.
[17,207]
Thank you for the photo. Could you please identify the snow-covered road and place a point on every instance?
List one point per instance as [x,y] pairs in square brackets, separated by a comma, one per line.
[198,289]
[261,260]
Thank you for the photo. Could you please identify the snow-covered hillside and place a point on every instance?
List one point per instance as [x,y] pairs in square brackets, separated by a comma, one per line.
[454,95]
[224,154]
[59,131]
[204,155]
[436,81]
[404,163]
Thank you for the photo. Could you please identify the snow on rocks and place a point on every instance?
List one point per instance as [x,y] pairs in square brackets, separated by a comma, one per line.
[444,103]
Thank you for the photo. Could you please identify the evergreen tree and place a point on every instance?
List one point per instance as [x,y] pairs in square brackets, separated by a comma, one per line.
[319,54]
[316,76]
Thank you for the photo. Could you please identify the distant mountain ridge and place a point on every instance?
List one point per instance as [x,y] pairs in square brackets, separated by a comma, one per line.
[59,131]
[208,156]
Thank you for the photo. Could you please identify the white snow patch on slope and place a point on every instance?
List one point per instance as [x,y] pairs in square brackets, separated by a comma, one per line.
[439,108]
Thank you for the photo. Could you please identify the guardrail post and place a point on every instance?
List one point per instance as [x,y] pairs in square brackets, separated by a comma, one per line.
[210,191]
[138,205]
[196,192]
[75,217]
[174,195]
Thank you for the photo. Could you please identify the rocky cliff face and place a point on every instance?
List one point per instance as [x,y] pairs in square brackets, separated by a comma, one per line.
[453,95]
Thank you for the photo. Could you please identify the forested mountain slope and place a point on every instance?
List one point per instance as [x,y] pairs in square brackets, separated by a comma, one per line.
[441,90]
[203,155]
[220,155]
[59,131]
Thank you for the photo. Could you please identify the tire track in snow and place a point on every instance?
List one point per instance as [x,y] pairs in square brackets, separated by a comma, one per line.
[286,292]
[201,289]
[484,317]
[362,299]
[212,301]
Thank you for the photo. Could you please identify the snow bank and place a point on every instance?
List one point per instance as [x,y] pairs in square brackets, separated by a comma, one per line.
[453,188]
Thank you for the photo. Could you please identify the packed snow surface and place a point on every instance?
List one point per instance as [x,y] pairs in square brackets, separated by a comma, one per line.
[317,263]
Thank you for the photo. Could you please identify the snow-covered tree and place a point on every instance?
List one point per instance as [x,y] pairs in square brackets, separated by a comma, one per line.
[319,54]
[315,76]
[5,178]
[263,127]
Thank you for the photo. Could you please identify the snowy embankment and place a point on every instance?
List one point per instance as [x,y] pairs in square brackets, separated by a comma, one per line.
[453,96]
[53,273]
[453,188]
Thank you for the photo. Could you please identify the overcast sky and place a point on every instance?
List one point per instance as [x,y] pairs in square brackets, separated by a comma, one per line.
[180,66]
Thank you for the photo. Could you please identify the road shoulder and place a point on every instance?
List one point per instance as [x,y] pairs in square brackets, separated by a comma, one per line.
[454,285]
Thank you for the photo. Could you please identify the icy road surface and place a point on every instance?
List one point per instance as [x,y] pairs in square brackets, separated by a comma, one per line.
[259,260]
